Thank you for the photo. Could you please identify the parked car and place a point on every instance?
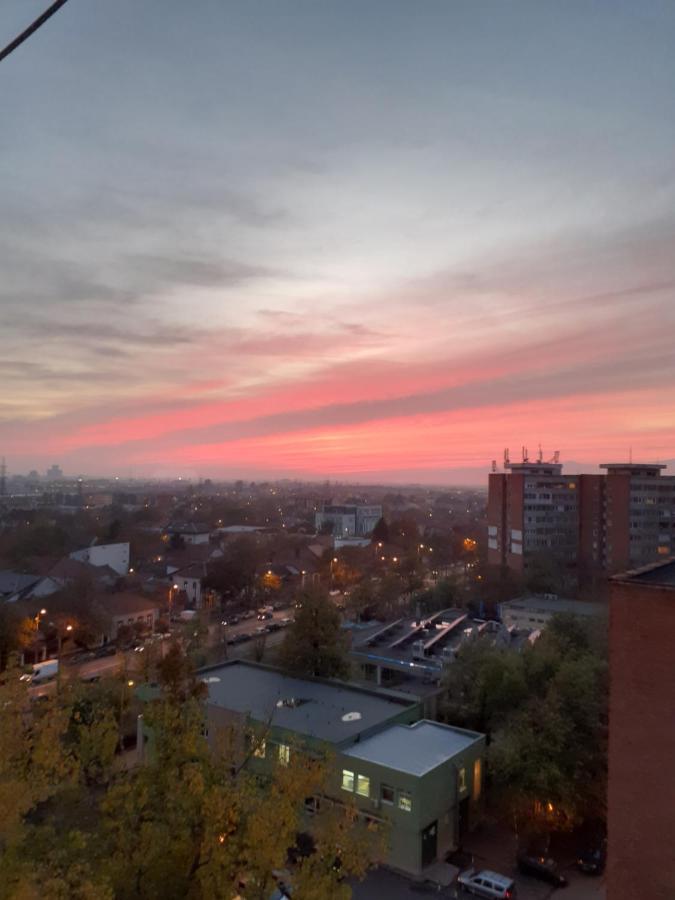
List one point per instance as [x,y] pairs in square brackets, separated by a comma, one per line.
[264,616]
[231,620]
[261,629]
[248,614]
[108,650]
[286,621]
[278,605]
[487,884]
[592,860]
[274,626]
[542,868]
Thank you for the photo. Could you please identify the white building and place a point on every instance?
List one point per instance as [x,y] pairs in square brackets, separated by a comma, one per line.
[190,532]
[534,612]
[348,521]
[116,556]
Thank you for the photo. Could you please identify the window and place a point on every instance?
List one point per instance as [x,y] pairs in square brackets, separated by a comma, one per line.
[405,801]
[387,794]
[284,754]
[259,749]
[461,778]
[477,779]
[363,785]
[347,780]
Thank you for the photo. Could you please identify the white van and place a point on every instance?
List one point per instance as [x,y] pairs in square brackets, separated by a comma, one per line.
[488,884]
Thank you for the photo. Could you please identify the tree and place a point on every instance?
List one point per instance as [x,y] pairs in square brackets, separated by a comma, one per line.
[200,824]
[315,644]
[176,675]
[236,572]
[195,821]
[380,532]
[16,632]
[544,711]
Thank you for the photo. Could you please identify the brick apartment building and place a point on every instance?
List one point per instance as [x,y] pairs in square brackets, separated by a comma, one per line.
[641,789]
[609,522]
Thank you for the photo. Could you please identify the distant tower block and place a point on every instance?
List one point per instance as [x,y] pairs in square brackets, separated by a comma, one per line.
[3,478]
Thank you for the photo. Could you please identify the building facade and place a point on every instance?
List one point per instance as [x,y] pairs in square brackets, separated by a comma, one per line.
[116,556]
[348,521]
[602,523]
[535,611]
[532,510]
[420,779]
[641,810]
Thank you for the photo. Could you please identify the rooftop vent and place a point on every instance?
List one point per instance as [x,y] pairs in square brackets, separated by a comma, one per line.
[290,702]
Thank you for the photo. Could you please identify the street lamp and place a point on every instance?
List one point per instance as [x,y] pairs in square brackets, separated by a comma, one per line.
[171,590]
[59,638]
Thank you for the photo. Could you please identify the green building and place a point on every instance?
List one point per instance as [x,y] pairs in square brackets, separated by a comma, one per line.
[422,778]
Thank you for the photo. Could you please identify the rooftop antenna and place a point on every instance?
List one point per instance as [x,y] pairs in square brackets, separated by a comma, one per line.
[556,457]
[507,461]
[525,455]
[494,465]
[540,455]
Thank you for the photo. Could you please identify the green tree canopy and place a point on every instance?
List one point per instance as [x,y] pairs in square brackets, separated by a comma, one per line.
[544,711]
[315,645]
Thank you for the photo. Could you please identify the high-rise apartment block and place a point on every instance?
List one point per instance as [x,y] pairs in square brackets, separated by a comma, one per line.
[641,787]
[608,522]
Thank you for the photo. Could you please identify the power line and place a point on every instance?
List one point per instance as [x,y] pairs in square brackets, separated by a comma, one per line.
[32,28]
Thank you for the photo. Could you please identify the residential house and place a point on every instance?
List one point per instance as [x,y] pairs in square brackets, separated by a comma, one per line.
[115,556]
[189,532]
[126,608]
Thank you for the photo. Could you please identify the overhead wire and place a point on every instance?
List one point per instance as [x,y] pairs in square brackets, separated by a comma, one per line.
[32,28]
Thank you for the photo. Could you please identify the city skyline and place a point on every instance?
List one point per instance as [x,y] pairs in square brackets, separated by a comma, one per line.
[354,241]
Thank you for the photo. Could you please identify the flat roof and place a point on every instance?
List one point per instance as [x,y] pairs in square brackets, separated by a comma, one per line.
[414,749]
[656,573]
[327,710]
[554,605]
[634,468]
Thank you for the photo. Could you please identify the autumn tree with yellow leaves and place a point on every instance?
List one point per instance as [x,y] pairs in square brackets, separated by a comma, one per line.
[194,821]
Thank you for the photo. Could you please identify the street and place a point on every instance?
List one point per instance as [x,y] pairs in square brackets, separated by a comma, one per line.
[218,634]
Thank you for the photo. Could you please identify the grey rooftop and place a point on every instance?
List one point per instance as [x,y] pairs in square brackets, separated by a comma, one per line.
[660,573]
[554,605]
[414,749]
[329,711]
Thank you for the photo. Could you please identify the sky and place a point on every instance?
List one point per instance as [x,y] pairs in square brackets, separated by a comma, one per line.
[357,240]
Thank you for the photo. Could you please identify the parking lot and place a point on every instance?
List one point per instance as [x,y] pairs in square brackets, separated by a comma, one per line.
[492,848]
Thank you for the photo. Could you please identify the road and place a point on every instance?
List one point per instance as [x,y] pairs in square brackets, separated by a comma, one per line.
[130,661]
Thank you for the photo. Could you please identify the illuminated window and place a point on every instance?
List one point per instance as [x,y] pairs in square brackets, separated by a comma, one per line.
[363,785]
[461,780]
[477,779]
[347,780]
[284,754]
[260,749]
[405,801]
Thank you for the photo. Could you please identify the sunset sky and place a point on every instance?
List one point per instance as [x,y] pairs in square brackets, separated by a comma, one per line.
[354,239]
